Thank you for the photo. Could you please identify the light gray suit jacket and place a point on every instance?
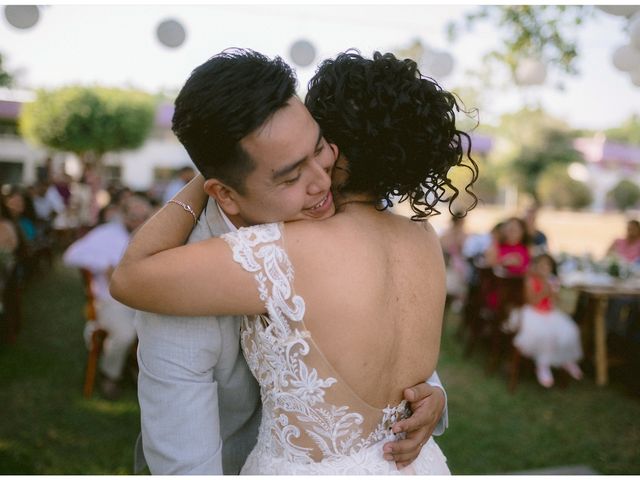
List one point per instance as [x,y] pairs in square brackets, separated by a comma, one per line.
[199,403]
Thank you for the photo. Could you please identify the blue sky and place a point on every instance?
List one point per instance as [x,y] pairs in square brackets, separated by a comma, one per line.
[116,45]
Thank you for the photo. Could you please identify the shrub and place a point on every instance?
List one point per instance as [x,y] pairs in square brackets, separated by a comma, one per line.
[557,189]
[625,194]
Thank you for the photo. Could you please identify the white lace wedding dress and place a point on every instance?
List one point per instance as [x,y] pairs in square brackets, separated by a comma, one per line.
[312,422]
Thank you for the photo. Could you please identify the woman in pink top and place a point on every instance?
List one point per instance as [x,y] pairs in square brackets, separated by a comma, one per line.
[511,252]
[628,248]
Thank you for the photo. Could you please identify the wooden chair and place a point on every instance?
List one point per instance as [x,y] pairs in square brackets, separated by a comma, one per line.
[94,335]
[492,297]
[476,313]
[509,294]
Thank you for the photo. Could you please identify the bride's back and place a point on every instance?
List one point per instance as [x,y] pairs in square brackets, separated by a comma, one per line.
[373,284]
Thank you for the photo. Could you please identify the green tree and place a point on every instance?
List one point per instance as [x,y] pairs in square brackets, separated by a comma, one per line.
[88,121]
[557,189]
[625,194]
[5,78]
[530,142]
[628,132]
[545,32]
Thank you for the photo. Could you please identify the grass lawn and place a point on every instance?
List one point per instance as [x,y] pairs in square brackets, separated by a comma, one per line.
[47,427]
[492,431]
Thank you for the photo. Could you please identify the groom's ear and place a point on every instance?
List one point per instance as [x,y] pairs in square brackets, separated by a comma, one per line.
[223,194]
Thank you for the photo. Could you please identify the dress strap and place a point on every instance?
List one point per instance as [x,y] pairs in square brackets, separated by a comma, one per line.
[260,250]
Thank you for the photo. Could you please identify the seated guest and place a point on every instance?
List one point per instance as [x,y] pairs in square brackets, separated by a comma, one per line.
[538,239]
[476,245]
[11,248]
[20,207]
[9,239]
[623,311]
[628,248]
[99,251]
[544,333]
[452,241]
[184,176]
[510,253]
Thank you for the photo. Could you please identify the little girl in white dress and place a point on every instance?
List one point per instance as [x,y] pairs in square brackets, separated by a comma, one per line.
[546,334]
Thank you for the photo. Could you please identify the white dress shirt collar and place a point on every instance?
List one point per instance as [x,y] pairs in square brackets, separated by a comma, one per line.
[232,227]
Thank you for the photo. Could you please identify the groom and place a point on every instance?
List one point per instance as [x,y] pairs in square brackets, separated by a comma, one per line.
[200,406]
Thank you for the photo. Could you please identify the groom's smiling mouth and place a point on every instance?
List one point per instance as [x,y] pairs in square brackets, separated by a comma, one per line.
[322,207]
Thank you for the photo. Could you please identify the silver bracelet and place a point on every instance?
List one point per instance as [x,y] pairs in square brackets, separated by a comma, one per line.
[186,208]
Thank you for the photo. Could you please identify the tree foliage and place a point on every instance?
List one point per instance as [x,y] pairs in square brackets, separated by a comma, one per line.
[544,32]
[5,78]
[625,194]
[532,141]
[557,189]
[88,121]
[628,132]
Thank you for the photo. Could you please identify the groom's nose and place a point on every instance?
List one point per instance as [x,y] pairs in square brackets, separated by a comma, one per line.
[321,180]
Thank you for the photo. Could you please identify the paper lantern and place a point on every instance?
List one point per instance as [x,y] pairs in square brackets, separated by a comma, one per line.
[303,53]
[530,72]
[171,33]
[425,56]
[626,58]
[440,64]
[620,10]
[22,16]
[634,31]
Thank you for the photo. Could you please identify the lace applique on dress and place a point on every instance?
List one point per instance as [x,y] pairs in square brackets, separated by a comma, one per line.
[308,416]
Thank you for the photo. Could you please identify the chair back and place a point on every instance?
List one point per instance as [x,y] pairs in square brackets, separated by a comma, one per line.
[90,305]
[94,335]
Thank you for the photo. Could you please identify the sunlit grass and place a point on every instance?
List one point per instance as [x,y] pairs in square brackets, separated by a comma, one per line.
[493,431]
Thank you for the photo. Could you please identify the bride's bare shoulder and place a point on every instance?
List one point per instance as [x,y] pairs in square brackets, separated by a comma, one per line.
[322,237]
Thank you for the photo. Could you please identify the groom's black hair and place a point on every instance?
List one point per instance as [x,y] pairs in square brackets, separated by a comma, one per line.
[225,99]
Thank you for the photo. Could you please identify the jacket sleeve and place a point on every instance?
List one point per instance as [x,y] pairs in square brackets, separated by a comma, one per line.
[178,394]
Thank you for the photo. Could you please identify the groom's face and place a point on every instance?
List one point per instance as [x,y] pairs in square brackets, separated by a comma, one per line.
[292,175]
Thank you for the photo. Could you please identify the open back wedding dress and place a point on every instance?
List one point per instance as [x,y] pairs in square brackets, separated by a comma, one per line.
[312,421]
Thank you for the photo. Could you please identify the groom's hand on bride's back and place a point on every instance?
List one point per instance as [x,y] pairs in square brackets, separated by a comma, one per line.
[427,404]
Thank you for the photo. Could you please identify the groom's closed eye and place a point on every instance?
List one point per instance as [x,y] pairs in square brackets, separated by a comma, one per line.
[278,175]
[291,181]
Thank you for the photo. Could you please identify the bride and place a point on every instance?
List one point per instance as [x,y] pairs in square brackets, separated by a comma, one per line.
[345,311]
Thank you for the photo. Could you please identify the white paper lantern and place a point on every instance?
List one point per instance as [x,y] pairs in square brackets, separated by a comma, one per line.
[634,31]
[426,57]
[440,64]
[303,53]
[626,58]
[530,72]
[171,33]
[22,16]
[620,10]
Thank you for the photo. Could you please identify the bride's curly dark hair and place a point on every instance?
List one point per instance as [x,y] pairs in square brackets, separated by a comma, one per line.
[395,127]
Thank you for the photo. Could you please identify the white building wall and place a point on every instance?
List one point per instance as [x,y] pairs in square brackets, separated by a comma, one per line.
[138,165]
[14,149]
